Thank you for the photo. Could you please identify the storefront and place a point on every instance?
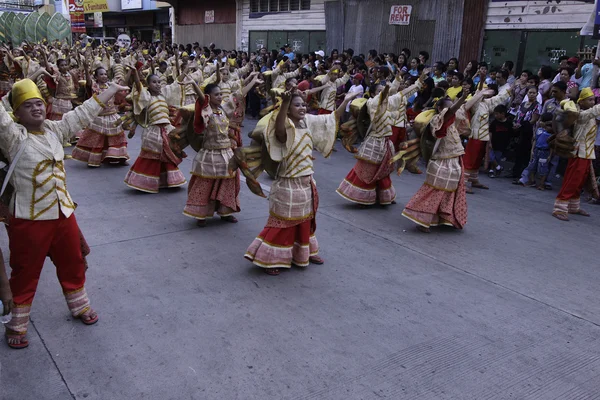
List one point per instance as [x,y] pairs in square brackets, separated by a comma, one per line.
[534,33]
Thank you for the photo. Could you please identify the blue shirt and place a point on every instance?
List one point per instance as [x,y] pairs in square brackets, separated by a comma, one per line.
[541,139]
[290,55]
[586,75]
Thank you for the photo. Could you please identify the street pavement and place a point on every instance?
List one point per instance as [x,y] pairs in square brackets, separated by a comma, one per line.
[508,308]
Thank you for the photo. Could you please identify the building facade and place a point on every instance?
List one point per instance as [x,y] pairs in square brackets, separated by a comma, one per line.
[534,33]
[272,24]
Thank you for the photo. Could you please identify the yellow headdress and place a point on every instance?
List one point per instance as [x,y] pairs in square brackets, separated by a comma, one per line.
[569,105]
[585,93]
[145,52]
[184,54]
[22,91]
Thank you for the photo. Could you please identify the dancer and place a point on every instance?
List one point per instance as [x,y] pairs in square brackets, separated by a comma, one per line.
[480,133]
[41,221]
[289,236]
[103,140]
[442,200]
[156,166]
[213,188]
[369,180]
[580,165]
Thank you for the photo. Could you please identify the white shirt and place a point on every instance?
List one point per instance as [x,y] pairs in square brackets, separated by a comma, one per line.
[354,89]
[538,98]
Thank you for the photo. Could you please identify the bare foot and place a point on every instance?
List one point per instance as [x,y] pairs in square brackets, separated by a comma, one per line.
[230,218]
[423,229]
[201,223]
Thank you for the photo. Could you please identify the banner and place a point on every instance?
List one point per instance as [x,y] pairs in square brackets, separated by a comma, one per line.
[92,6]
[98,20]
[77,17]
[400,15]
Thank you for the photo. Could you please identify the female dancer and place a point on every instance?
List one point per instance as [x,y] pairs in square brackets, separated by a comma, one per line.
[442,199]
[213,187]
[369,180]
[102,140]
[289,236]
[156,166]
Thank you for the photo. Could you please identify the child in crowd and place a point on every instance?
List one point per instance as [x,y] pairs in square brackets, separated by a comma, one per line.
[541,155]
[501,132]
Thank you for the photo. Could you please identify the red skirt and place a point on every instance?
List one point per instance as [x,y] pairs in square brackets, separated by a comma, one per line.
[432,207]
[282,247]
[323,111]
[149,175]
[368,183]
[209,196]
[94,148]
[285,242]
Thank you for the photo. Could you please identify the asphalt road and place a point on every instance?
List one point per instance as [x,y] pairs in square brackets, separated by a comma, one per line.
[506,309]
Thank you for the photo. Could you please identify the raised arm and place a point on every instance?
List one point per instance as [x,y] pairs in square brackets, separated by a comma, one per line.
[190,81]
[339,112]
[280,132]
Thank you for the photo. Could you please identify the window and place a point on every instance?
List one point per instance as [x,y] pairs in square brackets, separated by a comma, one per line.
[274,6]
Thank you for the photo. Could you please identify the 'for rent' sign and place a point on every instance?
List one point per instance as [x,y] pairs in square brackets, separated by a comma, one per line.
[400,15]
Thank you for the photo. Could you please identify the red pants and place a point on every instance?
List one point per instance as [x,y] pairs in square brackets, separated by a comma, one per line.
[398,136]
[578,170]
[30,242]
[474,154]
[323,111]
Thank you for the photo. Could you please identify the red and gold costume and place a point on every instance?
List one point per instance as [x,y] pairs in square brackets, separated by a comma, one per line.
[156,166]
[442,199]
[580,166]
[102,140]
[212,188]
[289,236]
[369,180]
[41,220]
[480,135]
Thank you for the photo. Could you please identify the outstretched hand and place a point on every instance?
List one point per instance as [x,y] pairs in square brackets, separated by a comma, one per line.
[118,88]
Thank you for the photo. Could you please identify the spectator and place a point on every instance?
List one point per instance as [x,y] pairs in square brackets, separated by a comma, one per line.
[540,160]
[501,131]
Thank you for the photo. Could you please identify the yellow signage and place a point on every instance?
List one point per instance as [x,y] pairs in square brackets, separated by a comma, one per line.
[92,6]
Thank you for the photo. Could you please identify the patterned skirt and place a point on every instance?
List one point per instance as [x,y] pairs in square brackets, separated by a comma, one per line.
[101,141]
[286,241]
[60,107]
[153,171]
[368,183]
[209,196]
[440,201]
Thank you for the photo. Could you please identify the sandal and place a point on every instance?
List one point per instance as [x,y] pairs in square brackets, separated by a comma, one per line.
[581,212]
[479,186]
[21,344]
[423,229]
[316,260]
[90,317]
[230,218]
[560,215]
[272,271]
